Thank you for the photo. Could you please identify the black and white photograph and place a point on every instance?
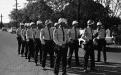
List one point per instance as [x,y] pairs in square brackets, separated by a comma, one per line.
[60,37]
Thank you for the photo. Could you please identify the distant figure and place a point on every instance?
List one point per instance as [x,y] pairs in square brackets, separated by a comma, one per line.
[101,34]
[88,46]
[108,33]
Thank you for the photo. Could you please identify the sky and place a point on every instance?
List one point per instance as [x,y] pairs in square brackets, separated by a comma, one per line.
[6,6]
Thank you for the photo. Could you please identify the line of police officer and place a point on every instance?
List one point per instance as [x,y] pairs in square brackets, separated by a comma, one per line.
[57,40]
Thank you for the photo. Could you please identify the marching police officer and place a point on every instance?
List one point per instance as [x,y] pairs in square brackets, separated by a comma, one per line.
[101,34]
[74,44]
[60,37]
[38,42]
[19,38]
[46,37]
[30,39]
[88,47]
[23,34]
[27,42]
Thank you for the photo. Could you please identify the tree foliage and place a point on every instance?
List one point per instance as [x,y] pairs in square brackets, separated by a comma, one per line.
[32,12]
[80,10]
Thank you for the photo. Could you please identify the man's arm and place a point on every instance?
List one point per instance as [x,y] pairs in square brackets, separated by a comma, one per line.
[41,36]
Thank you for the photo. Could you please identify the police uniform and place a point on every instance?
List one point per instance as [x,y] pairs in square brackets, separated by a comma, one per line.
[88,47]
[23,34]
[46,37]
[60,37]
[101,33]
[26,41]
[19,38]
[74,44]
[37,43]
[30,39]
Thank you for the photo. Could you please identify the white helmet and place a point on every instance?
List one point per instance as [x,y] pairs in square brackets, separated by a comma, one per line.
[90,22]
[48,22]
[75,22]
[32,23]
[99,23]
[39,22]
[56,24]
[21,24]
[26,24]
[62,20]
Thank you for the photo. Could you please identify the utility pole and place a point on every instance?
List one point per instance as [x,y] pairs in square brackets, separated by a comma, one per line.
[78,11]
[16,12]
[1,20]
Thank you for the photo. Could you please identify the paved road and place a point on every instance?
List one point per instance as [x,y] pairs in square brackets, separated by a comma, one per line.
[12,64]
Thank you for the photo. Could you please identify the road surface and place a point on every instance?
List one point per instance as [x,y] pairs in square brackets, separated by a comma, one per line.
[13,64]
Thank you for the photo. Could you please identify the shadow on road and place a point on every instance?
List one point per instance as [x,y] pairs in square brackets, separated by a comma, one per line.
[109,68]
[102,69]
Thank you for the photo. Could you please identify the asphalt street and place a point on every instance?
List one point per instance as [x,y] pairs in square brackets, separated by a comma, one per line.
[13,64]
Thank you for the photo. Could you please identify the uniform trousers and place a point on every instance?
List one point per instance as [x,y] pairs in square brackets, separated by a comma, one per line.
[89,52]
[37,50]
[48,49]
[101,47]
[74,47]
[31,49]
[19,44]
[27,49]
[23,47]
[61,55]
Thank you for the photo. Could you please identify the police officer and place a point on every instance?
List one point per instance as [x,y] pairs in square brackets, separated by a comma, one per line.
[19,38]
[38,42]
[27,42]
[30,39]
[46,37]
[74,44]
[23,34]
[88,47]
[101,34]
[60,37]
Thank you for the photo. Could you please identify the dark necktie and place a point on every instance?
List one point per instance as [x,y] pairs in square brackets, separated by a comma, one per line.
[63,35]
[49,33]
[75,33]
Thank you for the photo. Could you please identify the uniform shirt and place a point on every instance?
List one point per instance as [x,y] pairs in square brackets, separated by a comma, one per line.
[45,35]
[88,34]
[58,36]
[18,32]
[23,34]
[74,33]
[101,33]
[37,33]
[29,34]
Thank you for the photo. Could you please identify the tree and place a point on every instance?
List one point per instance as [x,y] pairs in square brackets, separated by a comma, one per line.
[32,12]
[88,10]
[114,6]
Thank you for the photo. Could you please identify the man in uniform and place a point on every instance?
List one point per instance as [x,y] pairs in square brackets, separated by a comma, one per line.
[88,47]
[46,37]
[23,34]
[60,37]
[30,39]
[101,34]
[38,42]
[74,44]
[27,42]
[19,38]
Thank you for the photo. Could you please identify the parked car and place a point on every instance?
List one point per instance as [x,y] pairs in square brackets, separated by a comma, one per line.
[109,40]
[4,29]
[12,30]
